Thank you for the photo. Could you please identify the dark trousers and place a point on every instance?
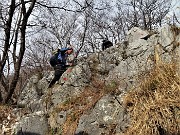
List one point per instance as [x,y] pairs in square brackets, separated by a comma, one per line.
[57,74]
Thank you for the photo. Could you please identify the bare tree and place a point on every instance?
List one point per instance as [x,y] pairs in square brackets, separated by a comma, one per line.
[14,37]
[142,13]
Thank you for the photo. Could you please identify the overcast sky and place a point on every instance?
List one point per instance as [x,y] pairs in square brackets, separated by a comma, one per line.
[176,6]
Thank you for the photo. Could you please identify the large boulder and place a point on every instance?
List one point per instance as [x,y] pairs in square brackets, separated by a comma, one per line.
[35,124]
[107,116]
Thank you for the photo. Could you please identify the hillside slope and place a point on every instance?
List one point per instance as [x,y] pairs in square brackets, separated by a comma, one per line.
[130,88]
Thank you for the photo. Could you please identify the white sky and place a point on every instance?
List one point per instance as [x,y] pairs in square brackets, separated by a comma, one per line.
[176,6]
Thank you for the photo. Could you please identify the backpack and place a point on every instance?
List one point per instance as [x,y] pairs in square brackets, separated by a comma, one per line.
[55,58]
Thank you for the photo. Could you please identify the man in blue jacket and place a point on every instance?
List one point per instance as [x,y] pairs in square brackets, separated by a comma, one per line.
[58,61]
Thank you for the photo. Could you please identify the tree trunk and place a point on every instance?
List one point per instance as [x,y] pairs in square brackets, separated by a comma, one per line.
[17,64]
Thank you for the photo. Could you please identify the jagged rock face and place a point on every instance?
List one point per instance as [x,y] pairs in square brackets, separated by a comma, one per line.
[106,114]
[35,124]
[71,83]
[122,63]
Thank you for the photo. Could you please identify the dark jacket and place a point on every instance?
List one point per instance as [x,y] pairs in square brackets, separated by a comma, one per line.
[106,44]
[59,65]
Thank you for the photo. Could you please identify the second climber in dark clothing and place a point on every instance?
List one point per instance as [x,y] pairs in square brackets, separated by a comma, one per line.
[58,61]
[106,44]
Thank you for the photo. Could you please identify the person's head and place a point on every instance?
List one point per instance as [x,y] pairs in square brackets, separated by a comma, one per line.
[105,40]
[70,50]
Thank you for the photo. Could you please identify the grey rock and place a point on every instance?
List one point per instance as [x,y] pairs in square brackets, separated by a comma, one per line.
[33,123]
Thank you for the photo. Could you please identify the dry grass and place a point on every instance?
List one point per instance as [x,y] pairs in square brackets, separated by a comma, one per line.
[4,112]
[5,119]
[154,106]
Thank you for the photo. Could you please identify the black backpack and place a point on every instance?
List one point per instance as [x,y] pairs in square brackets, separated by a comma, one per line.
[55,58]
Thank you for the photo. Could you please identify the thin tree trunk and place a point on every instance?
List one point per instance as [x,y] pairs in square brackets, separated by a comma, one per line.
[17,65]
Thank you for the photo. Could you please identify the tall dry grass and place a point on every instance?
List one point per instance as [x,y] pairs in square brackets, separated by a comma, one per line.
[154,106]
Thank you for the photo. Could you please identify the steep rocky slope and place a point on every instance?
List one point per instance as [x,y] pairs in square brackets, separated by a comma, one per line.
[95,97]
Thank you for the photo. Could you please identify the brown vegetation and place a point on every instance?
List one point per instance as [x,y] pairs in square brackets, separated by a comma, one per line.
[6,118]
[154,106]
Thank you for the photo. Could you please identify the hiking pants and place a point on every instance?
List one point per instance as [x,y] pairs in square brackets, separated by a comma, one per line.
[59,70]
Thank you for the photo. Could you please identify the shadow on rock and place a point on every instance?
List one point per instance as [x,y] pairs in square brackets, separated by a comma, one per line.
[26,133]
[82,133]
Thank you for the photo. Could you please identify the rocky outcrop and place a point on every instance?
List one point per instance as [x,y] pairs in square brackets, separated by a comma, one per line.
[89,97]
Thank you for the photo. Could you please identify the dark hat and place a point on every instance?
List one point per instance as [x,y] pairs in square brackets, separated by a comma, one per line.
[104,40]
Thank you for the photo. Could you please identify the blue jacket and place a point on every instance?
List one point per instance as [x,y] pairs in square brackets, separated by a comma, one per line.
[61,58]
